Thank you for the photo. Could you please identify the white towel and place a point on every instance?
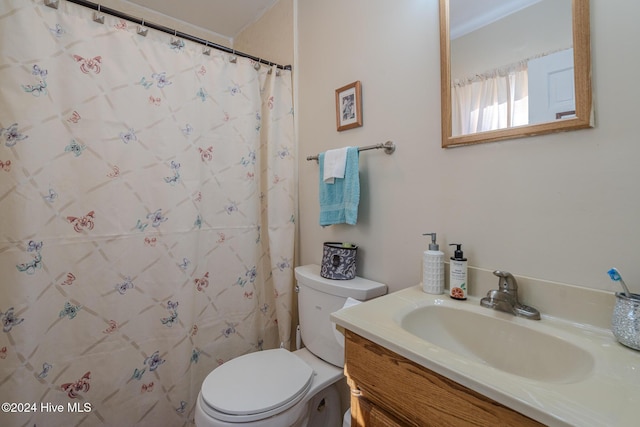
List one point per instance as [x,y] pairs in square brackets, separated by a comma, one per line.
[351,302]
[334,164]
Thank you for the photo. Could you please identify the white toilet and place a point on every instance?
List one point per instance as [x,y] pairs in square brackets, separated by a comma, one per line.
[279,388]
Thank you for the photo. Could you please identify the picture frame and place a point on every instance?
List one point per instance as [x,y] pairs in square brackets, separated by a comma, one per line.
[349,106]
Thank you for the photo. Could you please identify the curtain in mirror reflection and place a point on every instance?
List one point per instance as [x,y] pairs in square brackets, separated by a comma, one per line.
[494,100]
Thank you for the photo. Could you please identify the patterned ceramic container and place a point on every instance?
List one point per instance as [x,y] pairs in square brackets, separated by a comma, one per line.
[338,261]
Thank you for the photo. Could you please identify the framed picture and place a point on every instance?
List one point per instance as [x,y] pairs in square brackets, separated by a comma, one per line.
[349,106]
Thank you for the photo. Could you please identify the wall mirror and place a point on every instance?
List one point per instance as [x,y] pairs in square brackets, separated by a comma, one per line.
[513,68]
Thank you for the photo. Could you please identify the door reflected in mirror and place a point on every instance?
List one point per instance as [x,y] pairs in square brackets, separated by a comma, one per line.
[513,68]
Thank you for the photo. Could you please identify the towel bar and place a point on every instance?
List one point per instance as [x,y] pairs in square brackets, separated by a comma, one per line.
[389,147]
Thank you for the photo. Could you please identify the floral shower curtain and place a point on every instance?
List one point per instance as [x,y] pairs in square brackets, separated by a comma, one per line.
[146,217]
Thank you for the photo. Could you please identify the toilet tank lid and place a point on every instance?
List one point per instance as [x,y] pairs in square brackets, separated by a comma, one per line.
[359,288]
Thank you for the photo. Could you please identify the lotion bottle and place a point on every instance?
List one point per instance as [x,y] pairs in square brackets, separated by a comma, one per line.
[458,274]
[433,268]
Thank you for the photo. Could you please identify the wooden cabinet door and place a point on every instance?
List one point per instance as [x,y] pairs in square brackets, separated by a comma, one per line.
[394,391]
[367,414]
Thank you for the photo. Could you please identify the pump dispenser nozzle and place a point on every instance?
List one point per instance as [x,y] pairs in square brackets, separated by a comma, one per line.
[433,246]
[457,254]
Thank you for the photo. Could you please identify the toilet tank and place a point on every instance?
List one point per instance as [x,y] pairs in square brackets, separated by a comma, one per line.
[317,299]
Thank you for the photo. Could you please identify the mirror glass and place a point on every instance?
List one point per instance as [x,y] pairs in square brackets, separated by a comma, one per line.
[513,68]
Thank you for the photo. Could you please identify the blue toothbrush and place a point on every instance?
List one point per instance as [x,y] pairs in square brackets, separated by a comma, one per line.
[616,277]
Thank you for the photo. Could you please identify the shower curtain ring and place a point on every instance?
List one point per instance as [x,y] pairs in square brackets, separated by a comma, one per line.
[233,58]
[52,3]
[206,50]
[98,16]
[142,31]
[257,65]
[175,40]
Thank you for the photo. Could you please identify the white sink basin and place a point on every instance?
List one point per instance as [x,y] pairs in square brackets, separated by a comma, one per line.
[558,371]
[501,341]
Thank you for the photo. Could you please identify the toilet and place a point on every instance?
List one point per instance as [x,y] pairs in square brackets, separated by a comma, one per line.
[279,388]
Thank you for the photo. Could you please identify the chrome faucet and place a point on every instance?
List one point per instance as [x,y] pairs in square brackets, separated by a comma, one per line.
[505,298]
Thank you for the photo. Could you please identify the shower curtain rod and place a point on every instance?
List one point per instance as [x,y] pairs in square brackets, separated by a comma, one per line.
[122,15]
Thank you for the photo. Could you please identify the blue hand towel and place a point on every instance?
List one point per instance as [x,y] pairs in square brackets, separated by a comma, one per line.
[339,201]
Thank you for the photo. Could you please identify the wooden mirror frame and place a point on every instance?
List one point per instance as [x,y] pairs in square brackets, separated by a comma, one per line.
[582,81]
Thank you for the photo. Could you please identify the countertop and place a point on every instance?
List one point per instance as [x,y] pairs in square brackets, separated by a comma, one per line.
[608,396]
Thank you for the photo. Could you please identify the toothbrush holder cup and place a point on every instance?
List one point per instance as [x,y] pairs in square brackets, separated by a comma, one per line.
[626,320]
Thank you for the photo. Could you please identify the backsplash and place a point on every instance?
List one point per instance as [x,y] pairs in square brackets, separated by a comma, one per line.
[569,302]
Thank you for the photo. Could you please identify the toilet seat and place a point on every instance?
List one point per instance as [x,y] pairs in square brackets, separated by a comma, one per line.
[256,386]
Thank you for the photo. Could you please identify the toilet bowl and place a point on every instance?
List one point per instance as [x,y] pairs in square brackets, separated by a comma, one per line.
[276,388]
[279,388]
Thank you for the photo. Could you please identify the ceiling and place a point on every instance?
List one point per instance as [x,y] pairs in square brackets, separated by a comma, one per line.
[229,17]
[469,15]
[225,17]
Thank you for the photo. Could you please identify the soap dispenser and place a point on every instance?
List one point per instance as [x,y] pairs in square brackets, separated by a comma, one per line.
[458,274]
[433,268]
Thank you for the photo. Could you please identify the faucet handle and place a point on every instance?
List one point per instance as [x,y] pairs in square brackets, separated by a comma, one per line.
[507,282]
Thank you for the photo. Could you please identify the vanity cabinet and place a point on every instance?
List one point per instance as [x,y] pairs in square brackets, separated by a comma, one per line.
[389,390]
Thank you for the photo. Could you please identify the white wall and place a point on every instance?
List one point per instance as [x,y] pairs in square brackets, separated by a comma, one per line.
[164,20]
[562,207]
[271,37]
[487,48]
